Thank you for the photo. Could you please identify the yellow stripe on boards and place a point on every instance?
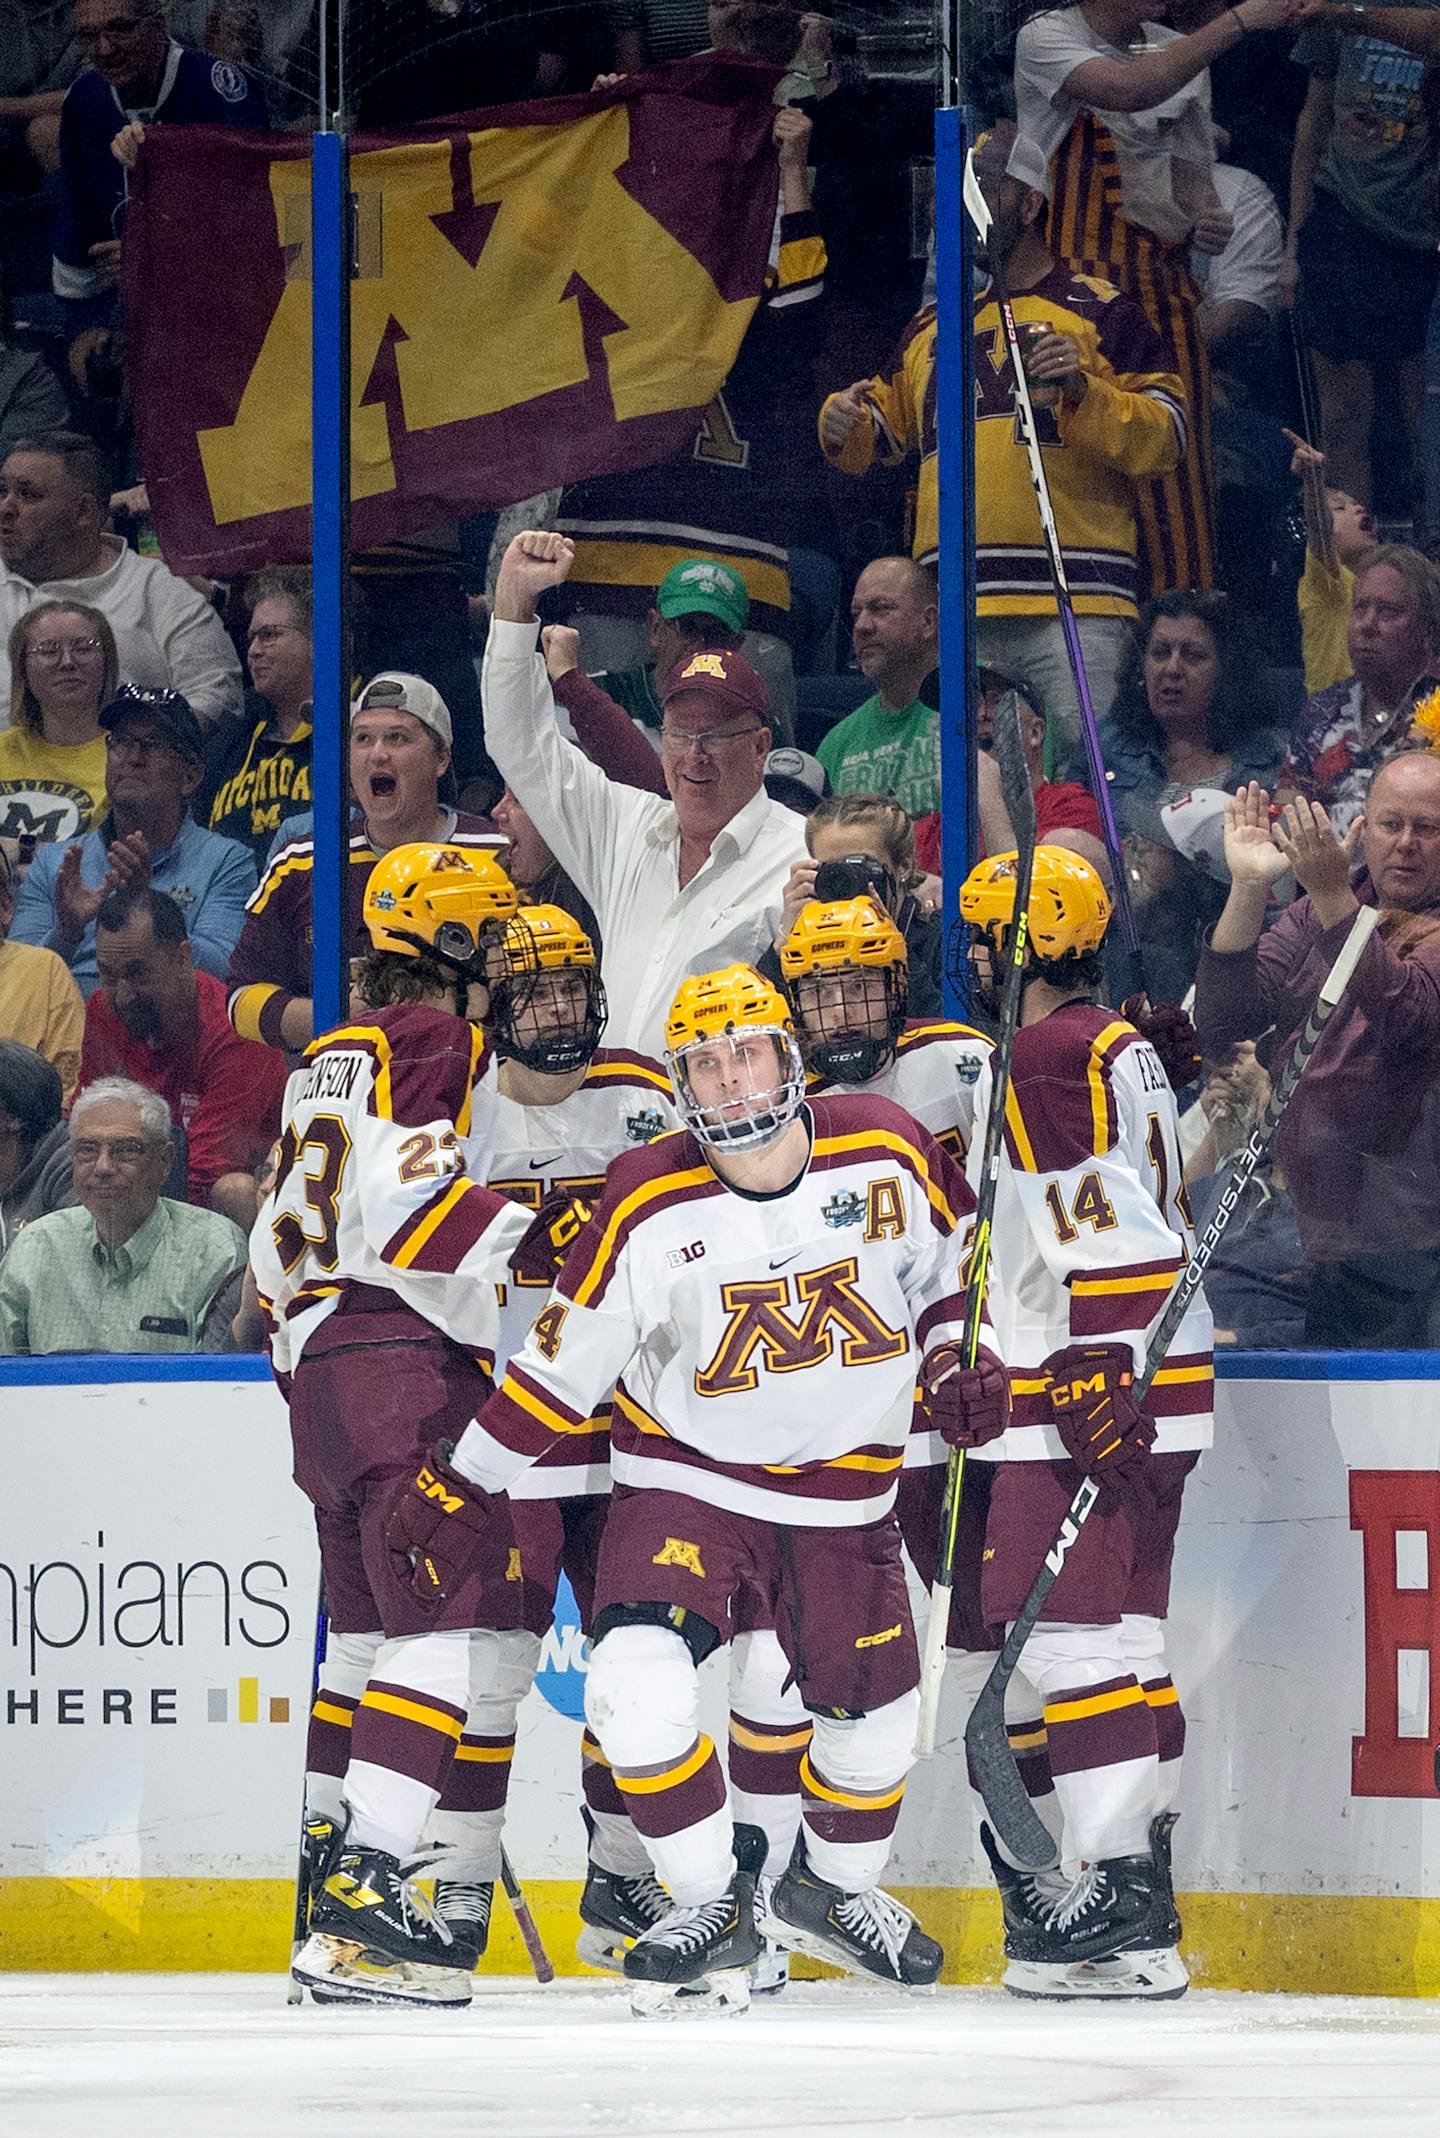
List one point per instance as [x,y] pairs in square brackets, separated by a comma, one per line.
[1307,1944]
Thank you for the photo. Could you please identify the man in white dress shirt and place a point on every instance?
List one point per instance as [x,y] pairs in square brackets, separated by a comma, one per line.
[677,887]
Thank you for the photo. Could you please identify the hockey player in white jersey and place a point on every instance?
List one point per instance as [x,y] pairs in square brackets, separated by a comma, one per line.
[757,1289]
[376,1255]
[1091,1231]
[846,981]
[565,1108]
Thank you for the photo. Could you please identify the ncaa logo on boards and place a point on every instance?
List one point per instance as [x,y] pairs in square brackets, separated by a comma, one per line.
[564,1657]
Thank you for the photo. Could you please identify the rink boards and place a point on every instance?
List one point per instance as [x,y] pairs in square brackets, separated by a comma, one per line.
[157,1582]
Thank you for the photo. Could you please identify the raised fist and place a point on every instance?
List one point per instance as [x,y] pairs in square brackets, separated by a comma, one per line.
[561,648]
[535,561]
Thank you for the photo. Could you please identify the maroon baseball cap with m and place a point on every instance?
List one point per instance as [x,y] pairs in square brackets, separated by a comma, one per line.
[725,678]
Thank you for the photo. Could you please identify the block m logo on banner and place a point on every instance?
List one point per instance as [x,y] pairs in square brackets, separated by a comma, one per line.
[543,292]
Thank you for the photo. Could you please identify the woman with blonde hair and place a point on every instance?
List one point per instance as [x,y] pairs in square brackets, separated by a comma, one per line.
[63,668]
[863,845]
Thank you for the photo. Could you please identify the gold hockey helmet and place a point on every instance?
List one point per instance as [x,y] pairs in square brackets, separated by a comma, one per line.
[847,977]
[432,900]
[1069,905]
[547,1002]
[712,1014]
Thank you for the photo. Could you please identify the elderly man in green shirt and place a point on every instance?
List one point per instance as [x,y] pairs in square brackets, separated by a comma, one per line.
[128,1270]
[891,743]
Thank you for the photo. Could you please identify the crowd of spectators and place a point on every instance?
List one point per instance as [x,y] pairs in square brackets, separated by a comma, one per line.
[688,693]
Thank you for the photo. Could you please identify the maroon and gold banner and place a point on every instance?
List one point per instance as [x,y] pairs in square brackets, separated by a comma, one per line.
[544,292]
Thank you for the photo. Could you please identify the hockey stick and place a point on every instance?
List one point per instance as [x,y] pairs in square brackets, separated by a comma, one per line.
[525,1922]
[1020,805]
[986,1739]
[1060,583]
[300,1927]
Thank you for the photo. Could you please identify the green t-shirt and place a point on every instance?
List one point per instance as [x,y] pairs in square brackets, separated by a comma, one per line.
[634,689]
[873,751]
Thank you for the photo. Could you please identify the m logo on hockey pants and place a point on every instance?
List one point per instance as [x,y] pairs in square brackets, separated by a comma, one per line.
[760,1321]
[676,1552]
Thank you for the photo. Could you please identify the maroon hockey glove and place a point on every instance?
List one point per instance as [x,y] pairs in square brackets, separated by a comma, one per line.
[1170,1033]
[552,1233]
[967,1405]
[1095,1413]
[441,1529]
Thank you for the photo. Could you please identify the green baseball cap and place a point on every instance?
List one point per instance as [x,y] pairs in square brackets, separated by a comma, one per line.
[701,587]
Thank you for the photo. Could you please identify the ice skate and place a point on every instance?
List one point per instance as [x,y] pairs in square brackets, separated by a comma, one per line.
[698,1958]
[338,1971]
[1025,1900]
[867,1933]
[771,1972]
[1108,1936]
[463,1906]
[365,1898]
[616,1910]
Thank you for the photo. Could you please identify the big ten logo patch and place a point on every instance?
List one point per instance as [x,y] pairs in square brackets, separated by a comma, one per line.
[564,1657]
[1397,1513]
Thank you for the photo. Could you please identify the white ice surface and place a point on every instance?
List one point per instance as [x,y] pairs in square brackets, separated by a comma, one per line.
[190,2056]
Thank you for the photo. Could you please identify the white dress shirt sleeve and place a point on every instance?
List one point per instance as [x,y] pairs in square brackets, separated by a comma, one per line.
[585,818]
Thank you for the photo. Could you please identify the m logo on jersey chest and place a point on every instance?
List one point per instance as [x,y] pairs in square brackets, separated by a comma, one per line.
[791,1322]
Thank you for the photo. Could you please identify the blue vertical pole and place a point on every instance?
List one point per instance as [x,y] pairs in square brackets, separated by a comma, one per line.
[330,256]
[955,441]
